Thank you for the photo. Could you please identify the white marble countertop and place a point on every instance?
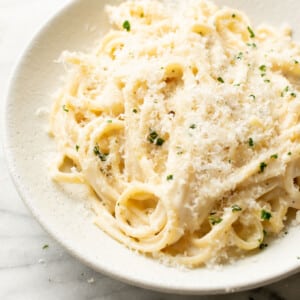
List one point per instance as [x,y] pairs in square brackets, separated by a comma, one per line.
[27,271]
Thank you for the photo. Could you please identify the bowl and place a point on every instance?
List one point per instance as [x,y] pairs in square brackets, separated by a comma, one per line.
[66,214]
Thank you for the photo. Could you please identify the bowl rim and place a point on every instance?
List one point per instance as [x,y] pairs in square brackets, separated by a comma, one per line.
[12,170]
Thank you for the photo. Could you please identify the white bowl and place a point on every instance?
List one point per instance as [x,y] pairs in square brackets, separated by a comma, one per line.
[64,215]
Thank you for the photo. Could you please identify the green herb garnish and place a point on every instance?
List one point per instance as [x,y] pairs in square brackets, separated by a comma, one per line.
[236,208]
[274,156]
[263,68]
[170,177]
[239,56]
[45,247]
[154,138]
[252,45]
[290,153]
[286,89]
[65,108]
[159,142]
[220,79]
[294,95]
[251,142]
[77,147]
[262,167]
[109,121]
[126,25]
[252,35]
[97,152]
[193,126]
[233,15]
[134,111]
[265,215]
[215,220]
[253,97]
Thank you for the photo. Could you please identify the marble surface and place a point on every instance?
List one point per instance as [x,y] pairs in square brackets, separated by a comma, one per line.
[27,271]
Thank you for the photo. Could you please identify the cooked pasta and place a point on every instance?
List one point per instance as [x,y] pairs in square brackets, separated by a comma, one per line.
[184,122]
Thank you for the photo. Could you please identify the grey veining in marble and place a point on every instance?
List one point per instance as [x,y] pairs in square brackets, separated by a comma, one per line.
[27,271]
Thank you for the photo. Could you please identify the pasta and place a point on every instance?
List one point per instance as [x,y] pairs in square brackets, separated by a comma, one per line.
[184,122]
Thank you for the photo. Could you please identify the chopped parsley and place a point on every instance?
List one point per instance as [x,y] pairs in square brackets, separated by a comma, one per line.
[170,177]
[252,34]
[154,138]
[160,141]
[77,147]
[65,108]
[267,80]
[296,62]
[215,220]
[251,142]
[294,95]
[109,121]
[45,247]
[239,56]
[265,215]
[220,79]
[193,126]
[290,153]
[263,68]
[236,208]
[253,97]
[126,25]
[262,167]
[274,156]
[233,15]
[252,45]
[134,111]
[97,152]
[286,89]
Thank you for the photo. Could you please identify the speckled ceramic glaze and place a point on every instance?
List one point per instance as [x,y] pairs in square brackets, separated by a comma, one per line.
[65,215]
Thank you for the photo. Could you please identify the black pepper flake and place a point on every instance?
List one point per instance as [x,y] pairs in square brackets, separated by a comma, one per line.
[172,113]
[263,246]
